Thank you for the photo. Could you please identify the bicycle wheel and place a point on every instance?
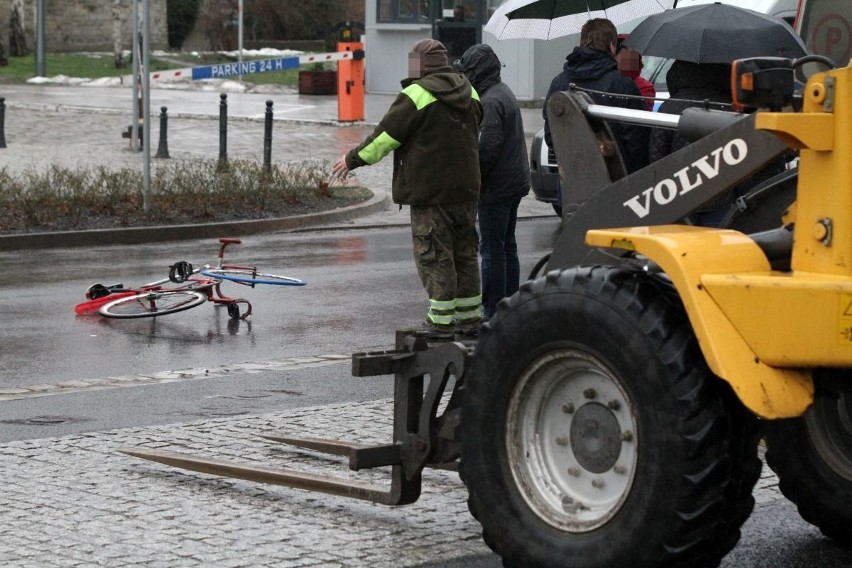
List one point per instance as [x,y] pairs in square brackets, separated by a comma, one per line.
[153,304]
[248,276]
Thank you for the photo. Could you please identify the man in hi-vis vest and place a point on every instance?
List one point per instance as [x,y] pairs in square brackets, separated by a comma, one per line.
[432,128]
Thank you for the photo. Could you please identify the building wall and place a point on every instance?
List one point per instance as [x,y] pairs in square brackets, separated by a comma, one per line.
[82,25]
[386,47]
[530,65]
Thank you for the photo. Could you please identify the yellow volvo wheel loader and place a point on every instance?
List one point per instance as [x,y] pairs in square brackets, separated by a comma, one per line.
[610,412]
[628,409]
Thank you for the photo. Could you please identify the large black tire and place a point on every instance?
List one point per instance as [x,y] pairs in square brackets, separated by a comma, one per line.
[595,435]
[812,456]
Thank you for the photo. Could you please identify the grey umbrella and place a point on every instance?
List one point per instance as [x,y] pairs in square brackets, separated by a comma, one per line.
[715,33]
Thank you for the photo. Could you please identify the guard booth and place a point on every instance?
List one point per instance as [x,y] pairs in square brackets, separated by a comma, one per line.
[458,24]
[393,26]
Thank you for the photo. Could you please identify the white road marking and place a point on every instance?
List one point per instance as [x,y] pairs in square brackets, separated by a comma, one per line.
[145,379]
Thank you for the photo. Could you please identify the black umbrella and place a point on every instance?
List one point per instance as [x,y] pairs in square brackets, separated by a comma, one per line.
[715,33]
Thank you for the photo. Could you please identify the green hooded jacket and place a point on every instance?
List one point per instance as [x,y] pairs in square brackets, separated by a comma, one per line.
[432,128]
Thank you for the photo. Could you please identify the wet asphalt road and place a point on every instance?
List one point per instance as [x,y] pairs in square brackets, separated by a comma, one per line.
[361,287]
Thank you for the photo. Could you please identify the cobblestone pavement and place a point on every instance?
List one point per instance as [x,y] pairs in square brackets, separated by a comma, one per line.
[78,501]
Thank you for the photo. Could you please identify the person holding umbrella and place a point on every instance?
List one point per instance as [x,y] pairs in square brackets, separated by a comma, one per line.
[706,85]
[704,40]
[592,65]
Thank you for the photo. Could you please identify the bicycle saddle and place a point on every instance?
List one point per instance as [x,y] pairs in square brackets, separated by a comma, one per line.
[180,272]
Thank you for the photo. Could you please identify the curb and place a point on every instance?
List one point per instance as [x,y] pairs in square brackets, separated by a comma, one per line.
[141,235]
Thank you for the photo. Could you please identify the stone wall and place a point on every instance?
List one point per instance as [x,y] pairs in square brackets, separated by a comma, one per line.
[82,25]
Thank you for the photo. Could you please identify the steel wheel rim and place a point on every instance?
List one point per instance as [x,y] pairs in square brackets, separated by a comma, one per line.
[571,441]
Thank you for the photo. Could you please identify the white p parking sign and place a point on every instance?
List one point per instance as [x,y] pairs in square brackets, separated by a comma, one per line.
[825,27]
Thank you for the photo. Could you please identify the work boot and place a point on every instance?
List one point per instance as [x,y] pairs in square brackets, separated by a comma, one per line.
[468,329]
[436,332]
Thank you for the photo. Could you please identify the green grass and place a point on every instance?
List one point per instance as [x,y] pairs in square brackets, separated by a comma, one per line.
[94,66]
[86,66]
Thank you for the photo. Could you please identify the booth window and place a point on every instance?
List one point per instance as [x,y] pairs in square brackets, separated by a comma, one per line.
[409,11]
[460,10]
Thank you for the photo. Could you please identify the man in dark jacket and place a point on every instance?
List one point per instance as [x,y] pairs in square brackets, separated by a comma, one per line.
[690,85]
[705,85]
[592,65]
[505,169]
[432,128]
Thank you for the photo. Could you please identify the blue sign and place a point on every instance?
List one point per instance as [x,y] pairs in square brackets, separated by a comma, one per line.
[236,69]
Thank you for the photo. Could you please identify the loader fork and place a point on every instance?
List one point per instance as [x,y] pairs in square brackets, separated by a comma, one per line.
[421,437]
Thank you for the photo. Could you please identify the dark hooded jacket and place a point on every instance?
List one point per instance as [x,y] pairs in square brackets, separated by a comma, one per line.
[503,160]
[432,128]
[690,85]
[598,70]
[702,85]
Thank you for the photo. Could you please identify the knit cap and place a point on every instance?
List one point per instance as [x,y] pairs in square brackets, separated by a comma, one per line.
[432,52]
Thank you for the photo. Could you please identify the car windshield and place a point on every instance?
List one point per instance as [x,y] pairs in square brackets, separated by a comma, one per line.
[654,69]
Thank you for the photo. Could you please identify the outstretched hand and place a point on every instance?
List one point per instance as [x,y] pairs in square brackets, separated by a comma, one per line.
[340,169]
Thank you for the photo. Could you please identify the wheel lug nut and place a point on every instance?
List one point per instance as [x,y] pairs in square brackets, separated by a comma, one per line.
[562,441]
[568,408]
[614,405]
[570,506]
[573,471]
[590,393]
[619,469]
[627,436]
[597,483]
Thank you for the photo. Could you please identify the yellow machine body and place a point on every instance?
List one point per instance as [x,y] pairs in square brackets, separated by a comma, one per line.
[761,330]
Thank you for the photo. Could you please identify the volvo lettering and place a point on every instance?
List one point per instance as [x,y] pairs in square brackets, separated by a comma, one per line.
[665,191]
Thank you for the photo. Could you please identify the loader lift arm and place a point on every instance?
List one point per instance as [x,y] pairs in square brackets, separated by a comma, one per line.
[421,436]
[727,150]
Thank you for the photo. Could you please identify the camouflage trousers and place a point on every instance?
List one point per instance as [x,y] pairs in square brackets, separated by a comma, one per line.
[445,252]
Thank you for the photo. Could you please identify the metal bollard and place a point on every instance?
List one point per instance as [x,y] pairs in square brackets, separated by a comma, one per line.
[267,140]
[163,146]
[2,122]
[223,132]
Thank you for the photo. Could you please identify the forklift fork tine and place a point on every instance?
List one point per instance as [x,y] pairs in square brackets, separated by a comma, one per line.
[360,456]
[420,437]
[400,492]
[333,447]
